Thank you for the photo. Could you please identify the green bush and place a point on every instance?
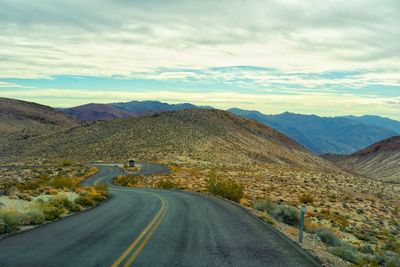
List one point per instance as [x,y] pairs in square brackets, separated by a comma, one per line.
[8,222]
[263,204]
[126,180]
[327,237]
[227,188]
[394,261]
[98,198]
[26,197]
[102,189]
[166,184]
[2,227]
[51,212]
[366,249]
[286,214]
[347,253]
[62,182]
[65,163]
[65,203]
[33,217]
[85,201]
[306,199]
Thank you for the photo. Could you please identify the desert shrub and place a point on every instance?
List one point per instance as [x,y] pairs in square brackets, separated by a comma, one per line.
[33,217]
[327,237]
[394,261]
[65,163]
[244,202]
[263,204]
[227,188]
[166,184]
[85,201]
[268,219]
[126,180]
[65,203]
[366,249]
[392,245]
[51,212]
[347,253]
[102,189]
[8,222]
[98,197]
[62,182]
[24,196]
[306,199]
[286,214]
[2,227]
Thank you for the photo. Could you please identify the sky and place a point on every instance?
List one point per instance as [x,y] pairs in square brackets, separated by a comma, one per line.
[314,57]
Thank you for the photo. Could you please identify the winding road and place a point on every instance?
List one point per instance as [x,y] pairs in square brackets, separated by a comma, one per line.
[149,227]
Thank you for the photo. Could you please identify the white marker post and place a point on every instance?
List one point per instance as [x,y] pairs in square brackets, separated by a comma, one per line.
[303,212]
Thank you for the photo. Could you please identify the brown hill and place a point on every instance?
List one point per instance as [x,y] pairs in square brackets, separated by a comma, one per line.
[21,120]
[380,160]
[92,112]
[210,136]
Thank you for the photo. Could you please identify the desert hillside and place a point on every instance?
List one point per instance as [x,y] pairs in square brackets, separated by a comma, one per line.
[199,135]
[381,160]
[20,120]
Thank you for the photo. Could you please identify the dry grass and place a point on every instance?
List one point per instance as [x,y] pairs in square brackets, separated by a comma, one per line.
[359,211]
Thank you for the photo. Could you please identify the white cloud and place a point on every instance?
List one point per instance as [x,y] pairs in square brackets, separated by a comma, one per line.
[104,38]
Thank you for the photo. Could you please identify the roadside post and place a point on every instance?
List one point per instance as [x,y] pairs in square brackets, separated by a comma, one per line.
[303,212]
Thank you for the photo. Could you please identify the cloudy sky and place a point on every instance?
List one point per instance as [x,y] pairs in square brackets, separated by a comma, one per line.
[322,57]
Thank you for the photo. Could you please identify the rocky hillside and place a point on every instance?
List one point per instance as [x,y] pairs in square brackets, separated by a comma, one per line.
[92,112]
[20,120]
[200,135]
[381,160]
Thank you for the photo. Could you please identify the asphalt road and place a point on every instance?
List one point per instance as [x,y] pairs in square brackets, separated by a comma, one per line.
[144,227]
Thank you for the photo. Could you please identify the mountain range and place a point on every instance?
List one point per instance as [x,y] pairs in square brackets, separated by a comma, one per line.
[321,135]
[93,111]
[339,135]
[206,136]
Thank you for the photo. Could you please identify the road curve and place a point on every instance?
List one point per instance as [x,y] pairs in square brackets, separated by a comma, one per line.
[148,227]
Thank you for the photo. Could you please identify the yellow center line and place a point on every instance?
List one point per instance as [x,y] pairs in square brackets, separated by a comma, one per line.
[143,244]
[109,171]
[155,221]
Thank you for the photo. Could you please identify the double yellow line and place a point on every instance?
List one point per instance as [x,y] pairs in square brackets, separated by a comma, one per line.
[131,253]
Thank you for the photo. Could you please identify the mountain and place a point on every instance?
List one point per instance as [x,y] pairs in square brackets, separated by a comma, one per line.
[21,120]
[322,135]
[150,107]
[92,112]
[197,135]
[377,121]
[380,160]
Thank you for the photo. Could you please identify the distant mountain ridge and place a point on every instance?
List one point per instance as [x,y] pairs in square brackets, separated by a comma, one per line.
[93,111]
[148,107]
[338,135]
[321,135]
[191,135]
[377,121]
